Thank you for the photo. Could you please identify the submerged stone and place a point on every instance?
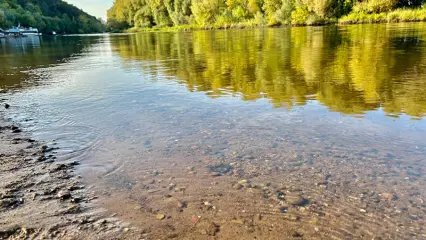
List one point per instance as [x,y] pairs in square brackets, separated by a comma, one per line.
[209,228]
[220,168]
[296,200]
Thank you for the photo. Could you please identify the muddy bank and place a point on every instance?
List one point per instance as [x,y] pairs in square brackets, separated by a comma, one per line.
[43,199]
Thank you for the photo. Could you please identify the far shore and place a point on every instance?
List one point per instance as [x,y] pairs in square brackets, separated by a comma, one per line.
[396,16]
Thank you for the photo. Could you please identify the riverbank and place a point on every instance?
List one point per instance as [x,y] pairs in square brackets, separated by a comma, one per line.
[43,199]
[398,15]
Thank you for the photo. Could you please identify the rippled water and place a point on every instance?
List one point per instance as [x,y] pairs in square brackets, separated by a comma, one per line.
[332,114]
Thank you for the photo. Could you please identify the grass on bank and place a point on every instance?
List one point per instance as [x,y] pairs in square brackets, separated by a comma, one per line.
[398,15]
[195,27]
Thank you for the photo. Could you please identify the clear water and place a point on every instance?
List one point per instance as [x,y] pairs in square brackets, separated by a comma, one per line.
[334,114]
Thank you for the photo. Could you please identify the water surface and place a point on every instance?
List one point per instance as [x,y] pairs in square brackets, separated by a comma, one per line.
[334,115]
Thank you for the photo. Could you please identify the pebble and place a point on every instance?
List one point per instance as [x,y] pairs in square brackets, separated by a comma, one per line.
[43,148]
[322,183]
[73,209]
[388,196]
[238,221]
[209,228]
[242,182]
[212,229]
[292,217]
[194,219]
[64,194]
[6,195]
[314,221]
[208,205]
[77,199]
[172,186]
[238,186]
[160,216]
[296,234]
[16,129]
[296,200]
[172,235]
[180,189]
[283,209]
[7,202]
[363,210]
[181,204]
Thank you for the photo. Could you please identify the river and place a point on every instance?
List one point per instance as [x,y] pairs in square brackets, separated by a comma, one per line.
[313,132]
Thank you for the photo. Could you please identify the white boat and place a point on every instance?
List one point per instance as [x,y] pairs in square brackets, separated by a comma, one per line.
[30,31]
[15,31]
[20,31]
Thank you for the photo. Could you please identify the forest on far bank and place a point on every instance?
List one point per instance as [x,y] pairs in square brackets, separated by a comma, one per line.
[139,14]
[48,16]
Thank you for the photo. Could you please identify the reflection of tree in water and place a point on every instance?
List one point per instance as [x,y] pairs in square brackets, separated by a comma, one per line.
[20,55]
[350,69]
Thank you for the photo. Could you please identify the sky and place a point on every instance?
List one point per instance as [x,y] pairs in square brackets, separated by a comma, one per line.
[96,8]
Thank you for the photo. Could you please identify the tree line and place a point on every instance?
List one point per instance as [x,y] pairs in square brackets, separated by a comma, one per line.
[48,16]
[224,13]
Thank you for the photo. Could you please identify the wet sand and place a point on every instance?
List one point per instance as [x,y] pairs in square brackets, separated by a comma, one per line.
[43,199]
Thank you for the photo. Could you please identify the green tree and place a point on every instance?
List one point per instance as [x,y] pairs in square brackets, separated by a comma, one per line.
[179,11]
[223,13]
[320,7]
[2,18]
[205,11]
[159,13]
[48,15]
[270,7]
[375,6]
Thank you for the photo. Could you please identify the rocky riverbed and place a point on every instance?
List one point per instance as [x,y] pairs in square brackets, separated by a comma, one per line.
[211,189]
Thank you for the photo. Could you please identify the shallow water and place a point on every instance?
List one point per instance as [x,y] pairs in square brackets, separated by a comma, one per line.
[332,114]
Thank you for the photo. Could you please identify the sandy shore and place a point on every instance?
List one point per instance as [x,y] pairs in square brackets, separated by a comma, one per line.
[43,199]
